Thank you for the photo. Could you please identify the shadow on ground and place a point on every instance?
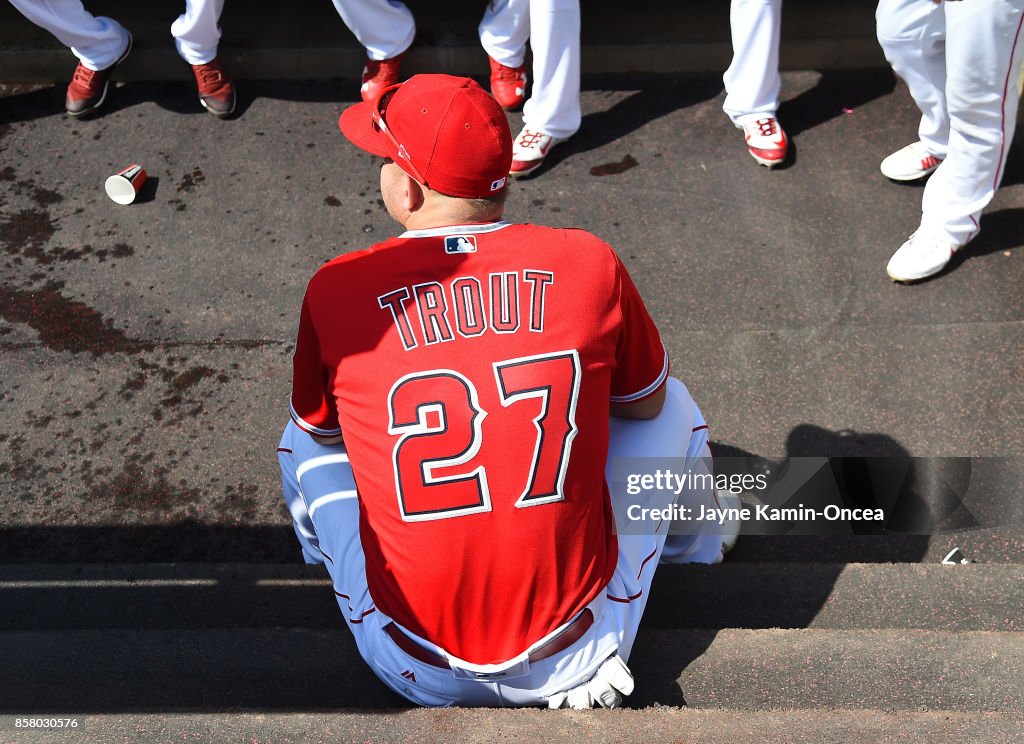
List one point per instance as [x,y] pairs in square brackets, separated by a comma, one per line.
[836,93]
[214,641]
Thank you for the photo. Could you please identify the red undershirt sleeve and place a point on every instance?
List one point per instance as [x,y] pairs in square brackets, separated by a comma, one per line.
[642,361]
[312,404]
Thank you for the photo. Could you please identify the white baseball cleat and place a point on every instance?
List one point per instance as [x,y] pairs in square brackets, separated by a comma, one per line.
[910,163]
[529,150]
[712,544]
[731,527]
[924,254]
[766,142]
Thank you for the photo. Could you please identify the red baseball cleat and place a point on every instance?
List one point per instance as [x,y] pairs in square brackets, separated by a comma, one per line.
[378,75]
[88,88]
[216,91]
[766,141]
[508,84]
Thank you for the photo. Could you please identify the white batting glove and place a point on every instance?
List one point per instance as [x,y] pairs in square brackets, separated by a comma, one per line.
[606,688]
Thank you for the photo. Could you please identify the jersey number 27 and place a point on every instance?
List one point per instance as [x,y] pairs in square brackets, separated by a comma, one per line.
[438,416]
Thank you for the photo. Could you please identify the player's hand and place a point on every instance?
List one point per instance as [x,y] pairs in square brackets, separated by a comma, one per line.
[606,688]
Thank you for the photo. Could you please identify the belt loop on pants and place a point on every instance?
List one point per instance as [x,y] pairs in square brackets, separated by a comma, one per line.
[572,633]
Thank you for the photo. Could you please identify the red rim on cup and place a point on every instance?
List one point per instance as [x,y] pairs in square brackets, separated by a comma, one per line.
[123,187]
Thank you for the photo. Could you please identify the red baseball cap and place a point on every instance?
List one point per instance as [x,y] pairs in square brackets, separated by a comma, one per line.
[446,132]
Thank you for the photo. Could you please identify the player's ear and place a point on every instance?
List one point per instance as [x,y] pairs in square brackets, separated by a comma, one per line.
[414,194]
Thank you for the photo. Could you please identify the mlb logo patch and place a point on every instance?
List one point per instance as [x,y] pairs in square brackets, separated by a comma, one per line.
[460,244]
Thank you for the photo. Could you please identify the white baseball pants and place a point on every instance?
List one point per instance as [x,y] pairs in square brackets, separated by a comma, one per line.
[752,81]
[385,27]
[196,33]
[320,492]
[99,42]
[962,62]
[552,28]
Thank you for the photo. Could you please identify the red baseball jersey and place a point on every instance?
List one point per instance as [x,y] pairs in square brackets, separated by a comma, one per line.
[471,369]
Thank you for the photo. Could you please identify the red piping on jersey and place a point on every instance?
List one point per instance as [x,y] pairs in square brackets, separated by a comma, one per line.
[977,229]
[284,449]
[644,562]
[666,367]
[627,600]
[1002,121]
[648,395]
[349,600]
[698,428]
[327,557]
[309,428]
[640,593]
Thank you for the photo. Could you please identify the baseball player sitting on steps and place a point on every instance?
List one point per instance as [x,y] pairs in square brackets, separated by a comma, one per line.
[457,392]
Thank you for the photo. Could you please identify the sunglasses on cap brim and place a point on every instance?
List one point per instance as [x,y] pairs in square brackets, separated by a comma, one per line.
[380,124]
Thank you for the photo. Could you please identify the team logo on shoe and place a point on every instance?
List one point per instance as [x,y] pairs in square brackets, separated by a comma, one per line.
[460,244]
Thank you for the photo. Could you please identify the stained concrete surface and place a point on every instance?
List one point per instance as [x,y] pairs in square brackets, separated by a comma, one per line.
[146,354]
[146,348]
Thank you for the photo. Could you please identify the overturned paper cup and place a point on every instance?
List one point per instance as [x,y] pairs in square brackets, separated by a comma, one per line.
[123,187]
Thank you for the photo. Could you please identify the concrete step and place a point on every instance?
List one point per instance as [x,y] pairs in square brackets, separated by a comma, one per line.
[861,638]
[1003,545]
[732,595]
[303,670]
[484,726]
[195,542]
[829,669]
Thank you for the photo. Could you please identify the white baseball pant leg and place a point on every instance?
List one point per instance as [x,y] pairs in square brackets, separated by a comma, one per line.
[980,55]
[912,34]
[553,30]
[679,432]
[319,489]
[385,27]
[196,31]
[752,82]
[98,42]
[984,55]
[505,30]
